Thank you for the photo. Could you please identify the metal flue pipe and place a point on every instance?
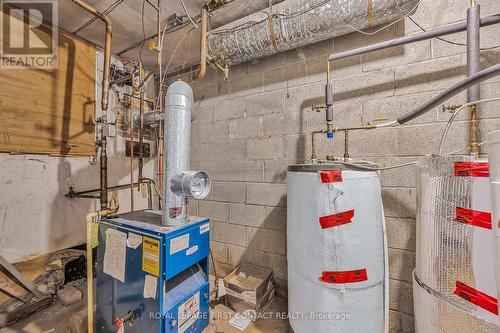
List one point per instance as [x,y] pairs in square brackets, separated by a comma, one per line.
[179,182]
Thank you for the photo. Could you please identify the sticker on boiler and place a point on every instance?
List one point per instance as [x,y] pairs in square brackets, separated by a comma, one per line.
[115,254]
[151,256]
[179,243]
[191,250]
[204,228]
[188,312]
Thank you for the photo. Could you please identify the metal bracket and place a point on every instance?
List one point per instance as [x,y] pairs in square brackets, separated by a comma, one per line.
[18,278]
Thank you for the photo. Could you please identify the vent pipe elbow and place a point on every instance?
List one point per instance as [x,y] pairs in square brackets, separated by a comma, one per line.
[179,182]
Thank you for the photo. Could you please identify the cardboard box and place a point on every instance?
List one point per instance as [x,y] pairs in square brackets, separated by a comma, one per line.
[252,309]
[249,287]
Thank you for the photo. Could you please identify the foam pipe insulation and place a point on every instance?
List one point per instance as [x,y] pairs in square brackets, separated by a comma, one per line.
[295,23]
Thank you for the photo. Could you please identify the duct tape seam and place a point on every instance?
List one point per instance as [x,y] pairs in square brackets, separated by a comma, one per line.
[370,13]
[336,220]
[333,176]
[476,297]
[272,34]
[354,276]
[471,169]
[473,217]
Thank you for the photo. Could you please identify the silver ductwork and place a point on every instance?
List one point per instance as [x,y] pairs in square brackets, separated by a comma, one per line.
[295,23]
[180,182]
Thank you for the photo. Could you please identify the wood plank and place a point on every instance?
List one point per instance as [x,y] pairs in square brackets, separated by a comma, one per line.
[23,310]
[51,111]
[30,269]
[11,288]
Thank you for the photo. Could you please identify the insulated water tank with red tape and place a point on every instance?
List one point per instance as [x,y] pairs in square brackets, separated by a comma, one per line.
[335,249]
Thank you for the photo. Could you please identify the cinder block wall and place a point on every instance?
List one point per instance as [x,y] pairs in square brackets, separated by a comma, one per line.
[247,131]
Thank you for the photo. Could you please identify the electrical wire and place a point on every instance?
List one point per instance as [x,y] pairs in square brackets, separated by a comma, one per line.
[165,72]
[454,116]
[216,276]
[452,42]
[107,11]
[374,168]
[406,14]
[250,24]
[388,124]
[187,13]
[464,149]
[143,32]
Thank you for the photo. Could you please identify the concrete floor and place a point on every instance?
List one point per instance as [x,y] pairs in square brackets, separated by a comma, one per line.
[72,319]
[272,325]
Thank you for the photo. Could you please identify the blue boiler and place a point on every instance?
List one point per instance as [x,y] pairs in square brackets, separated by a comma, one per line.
[152,278]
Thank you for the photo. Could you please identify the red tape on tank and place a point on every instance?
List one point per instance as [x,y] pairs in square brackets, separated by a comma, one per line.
[335,220]
[344,276]
[472,169]
[476,297]
[474,217]
[332,176]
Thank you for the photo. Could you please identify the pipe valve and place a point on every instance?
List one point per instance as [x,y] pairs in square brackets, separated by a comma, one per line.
[329,109]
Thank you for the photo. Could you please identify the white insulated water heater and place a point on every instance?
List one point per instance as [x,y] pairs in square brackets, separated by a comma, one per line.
[335,242]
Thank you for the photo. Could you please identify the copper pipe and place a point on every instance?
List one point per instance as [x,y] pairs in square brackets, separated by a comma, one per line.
[474,130]
[365,127]
[313,147]
[313,143]
[131,129]
[202,69]
[104,99]
[346,143]
[107,49]
[141,137]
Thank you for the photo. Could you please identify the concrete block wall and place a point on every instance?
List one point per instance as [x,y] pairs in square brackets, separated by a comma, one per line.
[247,130]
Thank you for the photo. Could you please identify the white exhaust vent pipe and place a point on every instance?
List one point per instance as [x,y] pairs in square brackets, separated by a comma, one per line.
[180,182]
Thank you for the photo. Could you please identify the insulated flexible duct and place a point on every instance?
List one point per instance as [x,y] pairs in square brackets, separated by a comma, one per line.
[296,23]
